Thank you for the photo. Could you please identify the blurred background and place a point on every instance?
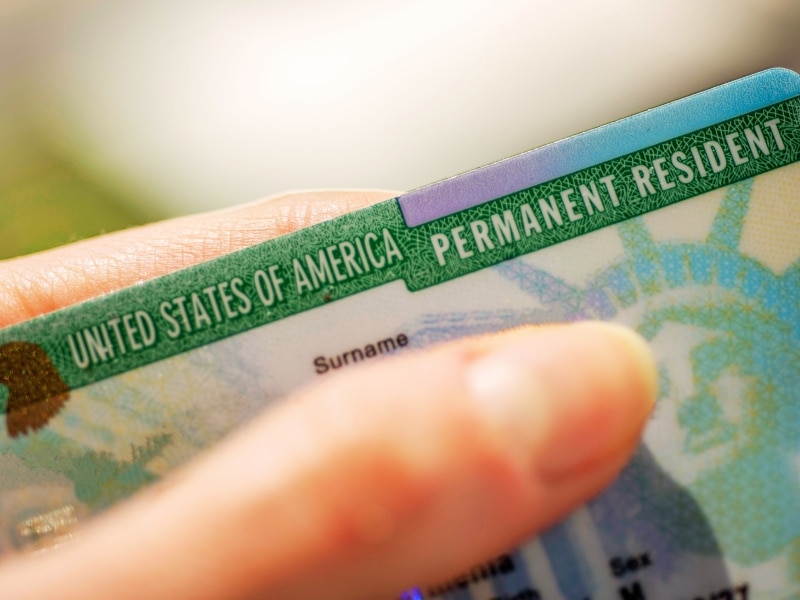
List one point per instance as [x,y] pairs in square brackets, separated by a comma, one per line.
[115,113]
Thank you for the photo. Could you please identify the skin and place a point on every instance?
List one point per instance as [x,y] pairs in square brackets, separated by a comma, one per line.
[325,495]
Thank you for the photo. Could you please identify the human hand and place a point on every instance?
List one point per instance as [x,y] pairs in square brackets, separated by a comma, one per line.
[397,473]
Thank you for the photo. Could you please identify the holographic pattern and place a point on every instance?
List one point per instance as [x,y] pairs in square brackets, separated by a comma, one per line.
[714,494]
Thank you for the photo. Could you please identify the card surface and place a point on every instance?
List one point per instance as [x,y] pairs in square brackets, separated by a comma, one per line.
[683,222]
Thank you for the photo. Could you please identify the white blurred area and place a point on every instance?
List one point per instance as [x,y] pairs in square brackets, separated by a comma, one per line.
[196,104]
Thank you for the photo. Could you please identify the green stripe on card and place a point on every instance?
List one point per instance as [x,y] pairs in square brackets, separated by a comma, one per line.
[362,250]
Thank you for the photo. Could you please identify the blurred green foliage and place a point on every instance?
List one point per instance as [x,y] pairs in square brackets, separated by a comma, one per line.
[45,202]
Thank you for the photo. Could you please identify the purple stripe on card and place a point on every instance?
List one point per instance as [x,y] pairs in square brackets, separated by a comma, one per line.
[598,145]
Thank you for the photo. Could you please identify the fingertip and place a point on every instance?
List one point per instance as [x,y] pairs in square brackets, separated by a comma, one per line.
[634,348]
[567,396]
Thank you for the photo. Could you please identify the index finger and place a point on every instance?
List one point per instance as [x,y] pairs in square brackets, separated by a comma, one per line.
[44,282]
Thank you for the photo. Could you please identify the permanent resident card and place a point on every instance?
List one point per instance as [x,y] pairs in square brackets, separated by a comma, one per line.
[682,222]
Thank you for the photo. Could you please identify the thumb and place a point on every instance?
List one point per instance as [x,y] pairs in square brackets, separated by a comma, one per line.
[401,473]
